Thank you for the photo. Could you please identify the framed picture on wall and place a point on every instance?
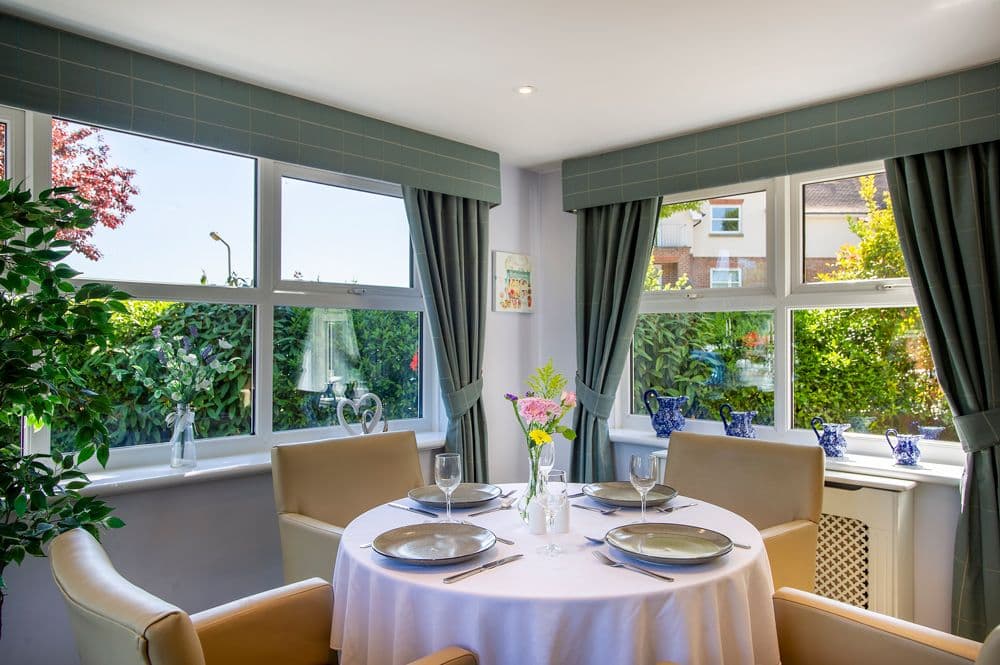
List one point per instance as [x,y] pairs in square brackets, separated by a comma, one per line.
[512,283]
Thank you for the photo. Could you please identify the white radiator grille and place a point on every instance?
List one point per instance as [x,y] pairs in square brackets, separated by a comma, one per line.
[842,560]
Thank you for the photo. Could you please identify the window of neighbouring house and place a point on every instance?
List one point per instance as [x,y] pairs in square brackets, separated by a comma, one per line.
[726,216]
[726,278]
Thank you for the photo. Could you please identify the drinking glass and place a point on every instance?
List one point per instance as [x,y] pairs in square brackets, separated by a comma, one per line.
[644,472]
[448,475]
[546,460]
[553,499]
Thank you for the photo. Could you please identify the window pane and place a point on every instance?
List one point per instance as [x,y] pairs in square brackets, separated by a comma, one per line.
[713,358]
[166,212]
[223,408]
[868,367]
[696,237]
[850,232]
[338,235]
[322,354]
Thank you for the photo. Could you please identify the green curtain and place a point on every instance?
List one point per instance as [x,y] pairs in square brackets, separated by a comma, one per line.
[947,208]
[613,243]
[450,237]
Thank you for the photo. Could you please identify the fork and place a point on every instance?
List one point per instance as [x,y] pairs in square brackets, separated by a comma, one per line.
[603,511]
[504,505]
[608,561]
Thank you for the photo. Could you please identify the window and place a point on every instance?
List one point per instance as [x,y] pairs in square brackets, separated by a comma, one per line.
[725,218]
[726,278]
[822,335]
[177,229]
[167,213]
[710,242]
[333,234]
[322,354]
[713,358]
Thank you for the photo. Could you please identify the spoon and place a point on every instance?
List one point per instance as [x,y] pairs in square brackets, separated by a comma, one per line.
[670,509]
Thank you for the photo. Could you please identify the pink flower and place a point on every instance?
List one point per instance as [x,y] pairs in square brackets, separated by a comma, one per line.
[568,398]
[538,411]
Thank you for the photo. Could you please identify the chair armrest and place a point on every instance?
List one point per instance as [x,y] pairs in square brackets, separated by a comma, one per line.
[818,631]
[791,549]
[449,656]
[290,625]
[308,547]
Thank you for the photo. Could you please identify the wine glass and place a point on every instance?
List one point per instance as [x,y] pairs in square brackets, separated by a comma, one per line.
[553,499]
[644,472]
[546,459]
[448,475]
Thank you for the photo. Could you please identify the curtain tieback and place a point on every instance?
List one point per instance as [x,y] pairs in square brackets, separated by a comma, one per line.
[458,402]
[978,431]
[598,404]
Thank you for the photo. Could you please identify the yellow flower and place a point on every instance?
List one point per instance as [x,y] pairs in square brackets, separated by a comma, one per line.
[538,437]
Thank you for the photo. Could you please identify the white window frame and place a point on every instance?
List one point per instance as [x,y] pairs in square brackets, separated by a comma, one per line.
[738,281]
[14,119]
[267,293]
[785,270]
[723,232]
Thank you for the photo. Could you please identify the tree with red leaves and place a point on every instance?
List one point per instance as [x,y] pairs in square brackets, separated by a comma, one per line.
[86,165]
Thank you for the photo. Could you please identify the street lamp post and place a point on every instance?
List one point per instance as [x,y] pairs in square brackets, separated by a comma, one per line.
[229,257]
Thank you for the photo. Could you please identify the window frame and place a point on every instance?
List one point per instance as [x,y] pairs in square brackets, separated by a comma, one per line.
[722,232]
[266,293]
[785,271]
[739,277]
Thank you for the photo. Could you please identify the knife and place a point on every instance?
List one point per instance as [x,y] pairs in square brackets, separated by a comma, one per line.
[485,566]
[419,511]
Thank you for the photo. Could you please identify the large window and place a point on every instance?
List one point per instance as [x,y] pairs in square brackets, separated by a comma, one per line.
[322,307]
[835,333]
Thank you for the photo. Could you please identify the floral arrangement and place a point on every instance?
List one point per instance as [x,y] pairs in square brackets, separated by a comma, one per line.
[539,413]
[189,371]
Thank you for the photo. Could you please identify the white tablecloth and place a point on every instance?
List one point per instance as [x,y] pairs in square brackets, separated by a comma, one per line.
[568,609]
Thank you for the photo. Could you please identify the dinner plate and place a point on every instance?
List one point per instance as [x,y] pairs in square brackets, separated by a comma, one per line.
[434,544]
[620,493]
[669,543]
[466,495]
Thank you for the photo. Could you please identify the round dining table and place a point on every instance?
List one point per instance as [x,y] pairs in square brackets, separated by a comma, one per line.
[547,610]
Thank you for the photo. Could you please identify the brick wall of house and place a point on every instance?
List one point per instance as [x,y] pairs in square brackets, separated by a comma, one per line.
[677,261]
[814,266]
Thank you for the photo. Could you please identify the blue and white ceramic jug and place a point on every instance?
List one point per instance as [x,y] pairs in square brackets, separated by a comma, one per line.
[929,432]
[668,415]
[738,423]
[906,451]
[832,439]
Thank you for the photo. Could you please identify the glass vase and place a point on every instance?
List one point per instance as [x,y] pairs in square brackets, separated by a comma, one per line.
[534,486]
[183,453]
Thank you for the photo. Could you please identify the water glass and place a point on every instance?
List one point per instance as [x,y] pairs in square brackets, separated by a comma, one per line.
[644,471]
[553,499]
[448,475]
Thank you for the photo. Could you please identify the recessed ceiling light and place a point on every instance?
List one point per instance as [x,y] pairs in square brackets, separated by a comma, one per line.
[525,89]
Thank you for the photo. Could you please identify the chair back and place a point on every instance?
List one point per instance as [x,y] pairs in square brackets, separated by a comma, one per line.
[335,481]
[767,483]
[114,621]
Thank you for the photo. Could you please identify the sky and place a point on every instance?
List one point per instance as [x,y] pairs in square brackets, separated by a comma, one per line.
[185,193]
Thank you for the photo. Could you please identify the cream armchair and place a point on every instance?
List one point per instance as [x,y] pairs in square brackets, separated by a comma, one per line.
[778,487]
[813,630]
[319,487]
[117,623]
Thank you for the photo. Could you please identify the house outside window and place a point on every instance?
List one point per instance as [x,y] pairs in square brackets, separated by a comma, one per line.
[726,278]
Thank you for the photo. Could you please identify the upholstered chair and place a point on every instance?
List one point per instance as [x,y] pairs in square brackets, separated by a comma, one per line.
[319,487]
[778,487]
[117,623]
[813,630]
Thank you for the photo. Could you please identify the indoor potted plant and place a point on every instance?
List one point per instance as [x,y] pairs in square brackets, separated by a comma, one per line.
[43,318]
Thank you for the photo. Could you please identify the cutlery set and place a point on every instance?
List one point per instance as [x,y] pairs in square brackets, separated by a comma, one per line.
[507,503]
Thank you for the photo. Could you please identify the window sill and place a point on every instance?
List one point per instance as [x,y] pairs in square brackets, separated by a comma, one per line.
[869,465]
[158,476]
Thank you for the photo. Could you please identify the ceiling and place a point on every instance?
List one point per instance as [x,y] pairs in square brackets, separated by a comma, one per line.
[608,74]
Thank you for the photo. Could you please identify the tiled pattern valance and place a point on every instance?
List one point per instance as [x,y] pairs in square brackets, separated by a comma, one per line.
[60,73]
[945,112]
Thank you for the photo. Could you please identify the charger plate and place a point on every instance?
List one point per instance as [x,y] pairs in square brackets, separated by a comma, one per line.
[669,543]
[466,495]
[434,544]
[622,494]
